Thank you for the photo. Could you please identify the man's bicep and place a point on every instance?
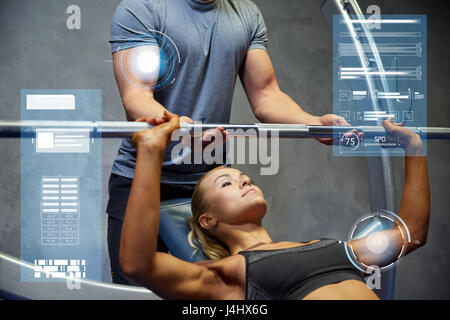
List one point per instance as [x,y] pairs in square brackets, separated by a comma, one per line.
[136,92]
[137,68]
[131,22]
[257,73]
[132,43]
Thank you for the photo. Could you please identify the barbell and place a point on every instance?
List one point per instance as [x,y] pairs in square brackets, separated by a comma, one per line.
[120,129]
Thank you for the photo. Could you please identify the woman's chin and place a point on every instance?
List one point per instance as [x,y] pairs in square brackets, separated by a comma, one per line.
[260,208]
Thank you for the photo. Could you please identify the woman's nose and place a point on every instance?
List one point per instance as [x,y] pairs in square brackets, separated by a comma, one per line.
[245,182]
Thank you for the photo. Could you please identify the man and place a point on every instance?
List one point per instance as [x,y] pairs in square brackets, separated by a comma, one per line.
[217,40]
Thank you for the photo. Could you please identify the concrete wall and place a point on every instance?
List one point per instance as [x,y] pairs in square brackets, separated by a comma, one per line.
[314,194]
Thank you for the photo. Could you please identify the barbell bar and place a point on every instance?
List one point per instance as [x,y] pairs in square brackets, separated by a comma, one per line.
[120,129]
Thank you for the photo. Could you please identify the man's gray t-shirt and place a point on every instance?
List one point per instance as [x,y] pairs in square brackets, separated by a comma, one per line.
[212,39]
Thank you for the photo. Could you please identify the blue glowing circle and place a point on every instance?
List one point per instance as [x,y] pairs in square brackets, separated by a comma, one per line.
[169,60]
[369,231]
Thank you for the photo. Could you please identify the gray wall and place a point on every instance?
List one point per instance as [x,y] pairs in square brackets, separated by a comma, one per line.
[314,194]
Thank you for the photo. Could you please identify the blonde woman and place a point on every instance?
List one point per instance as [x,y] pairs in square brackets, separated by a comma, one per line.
[228,210]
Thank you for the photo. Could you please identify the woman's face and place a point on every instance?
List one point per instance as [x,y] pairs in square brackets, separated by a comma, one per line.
[232,197]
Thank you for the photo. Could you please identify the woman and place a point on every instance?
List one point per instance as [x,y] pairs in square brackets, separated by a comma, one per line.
[246,264]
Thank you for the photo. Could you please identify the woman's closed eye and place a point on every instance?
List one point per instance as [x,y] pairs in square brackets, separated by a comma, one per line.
[225,184]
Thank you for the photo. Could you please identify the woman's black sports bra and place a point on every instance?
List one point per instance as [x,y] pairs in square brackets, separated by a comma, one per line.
[292,273]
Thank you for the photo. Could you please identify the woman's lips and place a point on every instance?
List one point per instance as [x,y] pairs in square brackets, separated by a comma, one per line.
[249,190]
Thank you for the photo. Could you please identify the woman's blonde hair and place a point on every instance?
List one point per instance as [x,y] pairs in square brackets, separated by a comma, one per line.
[198,237]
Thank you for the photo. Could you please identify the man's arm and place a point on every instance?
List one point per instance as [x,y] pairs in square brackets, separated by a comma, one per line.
[268,102]
[137,98]
[137,93]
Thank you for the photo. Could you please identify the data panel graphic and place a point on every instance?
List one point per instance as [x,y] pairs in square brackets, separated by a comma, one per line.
[379,72]
[60,188]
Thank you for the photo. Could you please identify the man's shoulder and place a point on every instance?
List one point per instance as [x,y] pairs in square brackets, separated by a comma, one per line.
[136,14]
[243,3]
[139,5]
[248,3]
[247,6]
[134,3]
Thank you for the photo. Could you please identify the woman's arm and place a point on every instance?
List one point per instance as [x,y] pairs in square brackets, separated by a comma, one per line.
[162,273]
[415,204]
[141,223]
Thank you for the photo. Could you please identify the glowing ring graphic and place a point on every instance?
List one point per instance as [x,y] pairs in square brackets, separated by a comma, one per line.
[375,243]
[142,67]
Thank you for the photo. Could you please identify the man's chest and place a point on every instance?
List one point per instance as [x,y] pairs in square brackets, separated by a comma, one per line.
[204,36]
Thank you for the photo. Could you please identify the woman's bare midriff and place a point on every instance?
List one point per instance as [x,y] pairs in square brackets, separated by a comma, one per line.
[344,290]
